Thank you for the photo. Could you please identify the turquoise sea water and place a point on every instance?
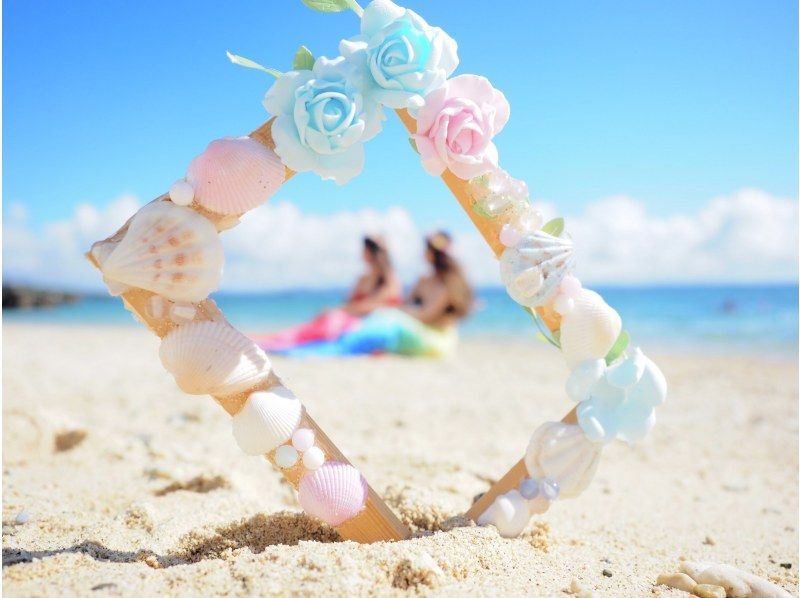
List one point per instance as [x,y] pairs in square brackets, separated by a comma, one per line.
[760,319]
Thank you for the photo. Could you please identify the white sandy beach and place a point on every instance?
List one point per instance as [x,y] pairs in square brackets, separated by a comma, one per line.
[132,488]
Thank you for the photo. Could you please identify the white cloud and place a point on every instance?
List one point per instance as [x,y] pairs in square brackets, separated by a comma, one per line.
[748,236]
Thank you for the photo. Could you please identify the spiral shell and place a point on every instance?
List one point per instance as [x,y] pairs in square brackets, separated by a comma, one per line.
[335,493]
[267,420]
[589,330]
[562,452]
[535,266]
[213,358]
[234,175]
[169,250]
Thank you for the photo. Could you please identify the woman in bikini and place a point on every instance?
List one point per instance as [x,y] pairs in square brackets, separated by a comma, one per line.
[424,325]
[378,287]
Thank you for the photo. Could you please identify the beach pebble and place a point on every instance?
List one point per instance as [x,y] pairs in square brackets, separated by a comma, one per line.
[679,581]
[735,582]
[707,590]
[22,517]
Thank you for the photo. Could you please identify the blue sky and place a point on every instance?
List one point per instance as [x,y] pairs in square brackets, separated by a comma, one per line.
[670,103]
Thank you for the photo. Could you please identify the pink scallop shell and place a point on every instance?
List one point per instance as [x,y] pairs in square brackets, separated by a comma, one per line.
[335,493]
[235,175]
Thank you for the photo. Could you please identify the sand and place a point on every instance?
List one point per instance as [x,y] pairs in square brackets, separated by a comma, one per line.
[114,482]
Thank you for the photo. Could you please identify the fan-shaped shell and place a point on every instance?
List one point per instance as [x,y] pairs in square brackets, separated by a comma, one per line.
[590,329]
[562,453]
[169,250]
[213,358]
[335,493]
[535,266]
[267,420]
[234,175]
[508,513]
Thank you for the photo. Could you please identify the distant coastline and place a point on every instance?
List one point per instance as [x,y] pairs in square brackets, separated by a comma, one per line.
[27,297]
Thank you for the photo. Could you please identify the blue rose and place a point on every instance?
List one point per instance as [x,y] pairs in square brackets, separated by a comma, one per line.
[322,119]
[403,58]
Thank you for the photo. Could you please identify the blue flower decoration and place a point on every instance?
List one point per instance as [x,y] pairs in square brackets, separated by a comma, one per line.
[322,119]
[402,57]
[617,402]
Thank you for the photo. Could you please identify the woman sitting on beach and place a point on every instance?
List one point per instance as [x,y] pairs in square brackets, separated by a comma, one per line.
[424,325]
[378,287]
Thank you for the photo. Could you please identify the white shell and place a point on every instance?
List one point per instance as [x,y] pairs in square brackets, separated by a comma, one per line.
[267,420]
[213,358]
[562,453]
[170,250]
[536,257]
[508,513]
[589,330]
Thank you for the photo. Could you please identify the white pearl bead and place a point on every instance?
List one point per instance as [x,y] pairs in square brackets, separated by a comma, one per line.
[563,304]
[181,193]
[313,458]
[181,313]
[303,439]
[285,456]
[509,235]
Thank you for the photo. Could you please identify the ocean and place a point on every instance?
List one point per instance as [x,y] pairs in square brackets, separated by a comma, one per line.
[761,319]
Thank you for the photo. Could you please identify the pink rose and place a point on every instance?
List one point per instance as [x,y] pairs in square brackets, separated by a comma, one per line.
[456,125]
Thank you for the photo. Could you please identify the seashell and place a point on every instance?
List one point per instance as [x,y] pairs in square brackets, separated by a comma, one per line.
[213,358]
[583,377]
[562,453]
[170,250]
[651,388]
[335,493]
[267,420]
[589,330]
[532,270]
[508,513]
[234,175]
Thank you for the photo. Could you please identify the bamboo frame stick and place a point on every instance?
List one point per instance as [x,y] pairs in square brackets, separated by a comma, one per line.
[376,522]
[490,230]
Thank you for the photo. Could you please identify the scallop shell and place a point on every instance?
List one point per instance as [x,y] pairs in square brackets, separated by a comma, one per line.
[508,513]
[267,420]
[589,330]
[170,250]
[535,266]
[234,175]
[213,358]
[562,453]
[335,493]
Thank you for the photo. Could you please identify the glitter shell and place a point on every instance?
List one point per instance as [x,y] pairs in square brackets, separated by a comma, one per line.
[335,493]
[562,453]
[234,175]
[535,266]
[170,250]
[213,358]
[589,330]
[267,420]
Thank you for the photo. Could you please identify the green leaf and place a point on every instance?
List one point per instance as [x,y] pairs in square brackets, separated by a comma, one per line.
[246,62]
[327,5]
[554,227]
[413,144]
[619,346]
[303,60]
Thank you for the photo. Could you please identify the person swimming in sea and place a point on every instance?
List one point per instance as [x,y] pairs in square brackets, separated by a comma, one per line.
[426,324]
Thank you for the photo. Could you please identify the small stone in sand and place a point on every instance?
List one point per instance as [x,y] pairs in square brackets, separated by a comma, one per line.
[69,439]
[22,517]
[679,581]
[786,565]
[709,541]
[104,586]
[707,590]
[607,573]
